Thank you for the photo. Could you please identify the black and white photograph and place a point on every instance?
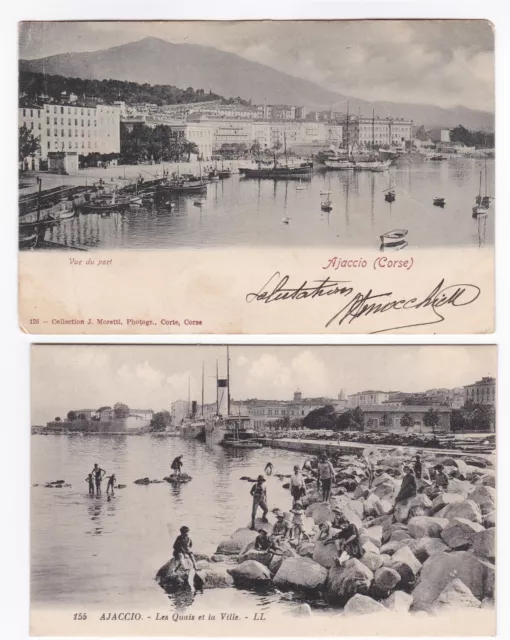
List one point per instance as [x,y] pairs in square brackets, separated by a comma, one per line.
[263,490]
[165,135]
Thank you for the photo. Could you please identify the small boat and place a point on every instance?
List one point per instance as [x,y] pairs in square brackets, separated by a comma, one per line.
[29,237]
[213,176]
[198,203]
[286,220]
[437,158]
[61,215]
[326,205]
[479,211]
[390,196]
[325,193]
[393,238]
[439,202]
[241,444]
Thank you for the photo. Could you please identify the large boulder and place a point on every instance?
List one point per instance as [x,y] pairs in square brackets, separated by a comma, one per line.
[373,507]
[385,581]
[360,605]
[374,534]
[215,577]
[351,509]
[489,479]
[423,548]
[418,505]
[311,498]
[444,499]
[394,545]
[386,489]
[302,610]
[373,560]
[346,580]
[426,526]
[325,554]
[489,520]
[236,543]
[455,596]
[399,535]
[390,528]
[399,602]
[437,572]
[264,557]
[407,565]
[484,544]
[484,497]
[462,487]
[467,509]
[369,547]
[319,511]
[301,573]
[250,573]
[459,533]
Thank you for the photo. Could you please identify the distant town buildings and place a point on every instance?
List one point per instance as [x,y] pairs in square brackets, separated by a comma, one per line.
[389,417]
[482,391]
[379,131]
[366,398]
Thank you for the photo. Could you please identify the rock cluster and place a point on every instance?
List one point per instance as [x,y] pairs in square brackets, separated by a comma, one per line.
[429,553]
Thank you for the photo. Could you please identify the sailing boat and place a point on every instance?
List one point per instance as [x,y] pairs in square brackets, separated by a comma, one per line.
[372,163]
[341,160]
[224,173]
[483,201]
[327,204]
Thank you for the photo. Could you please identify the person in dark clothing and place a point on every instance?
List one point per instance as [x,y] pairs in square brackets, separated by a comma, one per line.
[90,480]
[418,467]
[177,465]
[262,541]
[182,549]
[348,539]
[111,485]
[259,494]
[408,487]
[98,475]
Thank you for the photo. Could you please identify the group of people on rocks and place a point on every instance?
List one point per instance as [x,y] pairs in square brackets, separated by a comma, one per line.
[290,526]
[95,479]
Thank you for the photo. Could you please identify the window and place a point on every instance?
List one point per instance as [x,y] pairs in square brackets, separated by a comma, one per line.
[55,120]
[49,144]
[63,133]
[75,122]
[24,112]
[70,132]
[61,120]
[48,132]
[47,121]
[81,110]
[69,121]
[61,109]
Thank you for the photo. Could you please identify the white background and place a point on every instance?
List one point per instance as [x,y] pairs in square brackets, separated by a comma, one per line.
[15,351]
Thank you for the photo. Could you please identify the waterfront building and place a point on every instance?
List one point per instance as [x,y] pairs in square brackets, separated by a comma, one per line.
[370,397]
[80,129]
[382,131]
[31,118]
[482,391]
[267,414]
[388,417]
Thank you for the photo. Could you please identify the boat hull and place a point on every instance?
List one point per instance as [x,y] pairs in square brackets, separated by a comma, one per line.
[339,165]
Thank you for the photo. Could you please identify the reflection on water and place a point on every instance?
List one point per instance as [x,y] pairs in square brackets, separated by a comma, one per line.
[237,211]
[90,550]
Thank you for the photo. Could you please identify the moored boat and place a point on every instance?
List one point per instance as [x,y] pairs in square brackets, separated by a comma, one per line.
[393,238]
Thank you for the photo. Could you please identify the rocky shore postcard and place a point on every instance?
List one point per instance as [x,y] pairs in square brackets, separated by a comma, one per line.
[263,490]
[276,177]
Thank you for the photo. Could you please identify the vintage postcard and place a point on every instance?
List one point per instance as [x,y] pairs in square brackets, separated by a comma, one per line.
[288,177]
[263,490]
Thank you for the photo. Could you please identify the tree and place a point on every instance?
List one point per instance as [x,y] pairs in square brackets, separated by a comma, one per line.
[458,420]
[406,421]
[189,148]
[386,420]
[160,421]
[321,418]
[71,415]
[121,410]
[432,419]
[255,149]
[57,419]
[82,416]
[28,144]
[358,419]
[484,418]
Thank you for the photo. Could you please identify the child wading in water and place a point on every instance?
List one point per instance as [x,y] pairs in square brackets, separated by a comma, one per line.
[90,480]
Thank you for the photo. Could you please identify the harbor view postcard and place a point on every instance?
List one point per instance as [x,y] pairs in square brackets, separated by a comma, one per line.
[276,177]
[263,490]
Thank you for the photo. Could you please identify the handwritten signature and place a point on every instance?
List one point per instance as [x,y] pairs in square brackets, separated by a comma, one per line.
[359,304]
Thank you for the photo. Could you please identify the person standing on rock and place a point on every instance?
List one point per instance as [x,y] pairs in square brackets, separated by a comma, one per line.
[325,474]
[297,485]
[259,494]
[418,467]
[177,465]
[408,487]
[98,475]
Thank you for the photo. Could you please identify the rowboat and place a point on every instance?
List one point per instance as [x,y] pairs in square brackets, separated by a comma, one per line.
[393,238]
[439,202]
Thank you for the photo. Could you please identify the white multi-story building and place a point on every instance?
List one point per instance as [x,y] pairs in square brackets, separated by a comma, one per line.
[370,397]
[31,118]
[72,128]
[482,391]
[379,131]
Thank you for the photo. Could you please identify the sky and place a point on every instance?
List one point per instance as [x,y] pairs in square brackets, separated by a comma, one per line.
[68,377]
[446,63]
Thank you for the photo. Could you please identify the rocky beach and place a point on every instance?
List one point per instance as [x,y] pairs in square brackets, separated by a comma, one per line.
[428,554]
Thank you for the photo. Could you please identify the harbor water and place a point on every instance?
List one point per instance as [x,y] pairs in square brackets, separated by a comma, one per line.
[245,212]
[87,552]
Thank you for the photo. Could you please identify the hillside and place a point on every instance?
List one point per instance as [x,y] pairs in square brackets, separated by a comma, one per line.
[157,62]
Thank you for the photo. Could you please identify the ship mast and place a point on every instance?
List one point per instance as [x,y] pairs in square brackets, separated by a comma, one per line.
[373,130]
[347,130]
[202,389]
[217,406]
[189,396]
[228,383]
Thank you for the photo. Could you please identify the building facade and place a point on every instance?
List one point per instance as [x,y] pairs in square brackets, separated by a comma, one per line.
[482,391]
[370,397]
[389,417]
[31,118]
[379,131]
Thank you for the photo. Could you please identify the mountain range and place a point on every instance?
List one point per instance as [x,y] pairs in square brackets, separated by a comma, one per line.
[156,61]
